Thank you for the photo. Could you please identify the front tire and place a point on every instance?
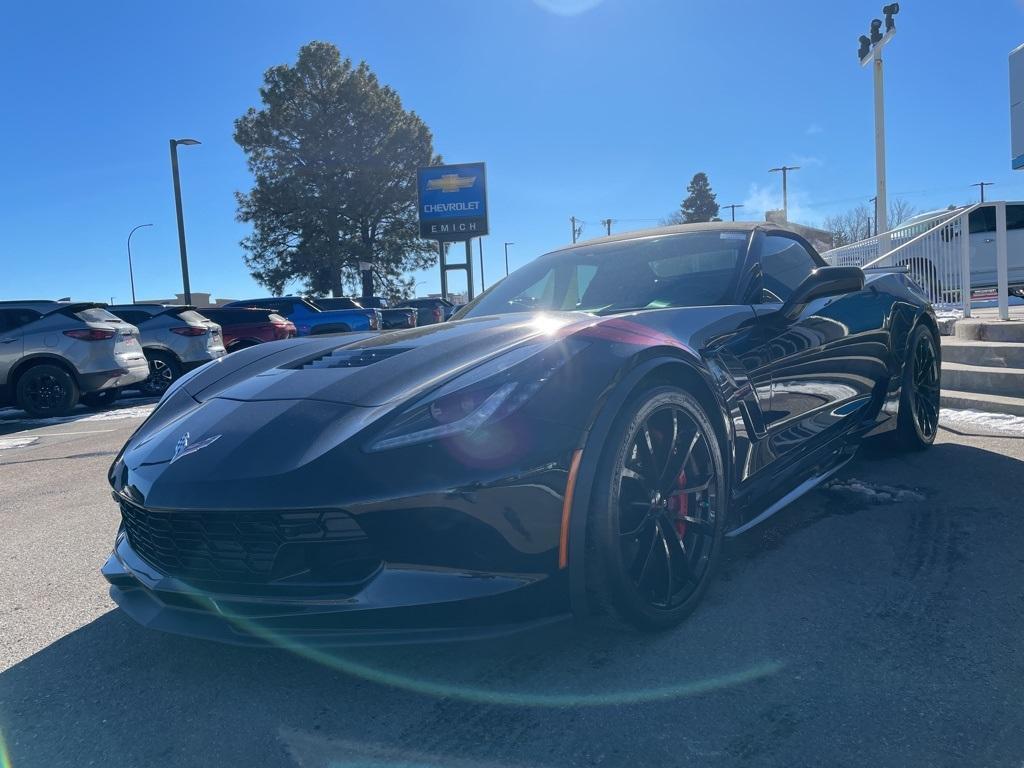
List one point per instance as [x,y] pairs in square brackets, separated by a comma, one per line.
[46,390]
[655,530]
[918,420]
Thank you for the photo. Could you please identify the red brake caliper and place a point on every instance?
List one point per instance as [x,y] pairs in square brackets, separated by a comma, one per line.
[680,504]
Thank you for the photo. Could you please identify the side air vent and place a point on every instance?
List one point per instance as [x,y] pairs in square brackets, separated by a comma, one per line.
[350,358]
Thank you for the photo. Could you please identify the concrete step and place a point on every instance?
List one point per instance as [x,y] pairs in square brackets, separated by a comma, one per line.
[998,354]
[990,330]
[978,402]
[986,379]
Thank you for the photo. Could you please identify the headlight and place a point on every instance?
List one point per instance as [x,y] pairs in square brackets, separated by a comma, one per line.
[490,391]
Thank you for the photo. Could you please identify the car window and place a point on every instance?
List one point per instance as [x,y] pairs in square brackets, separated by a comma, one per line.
[96,315]
[676,270]
[133,316]
[10,319]
[784,265]
[1015,217]
[190,316]
[983,220]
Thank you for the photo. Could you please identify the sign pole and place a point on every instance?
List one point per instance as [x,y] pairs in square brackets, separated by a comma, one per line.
[469,270]
[444,270]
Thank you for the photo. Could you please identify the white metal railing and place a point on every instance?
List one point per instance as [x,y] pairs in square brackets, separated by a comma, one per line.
[936,253]
[859,253]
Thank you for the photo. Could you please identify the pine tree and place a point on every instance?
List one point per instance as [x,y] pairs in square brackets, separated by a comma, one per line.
[700,204]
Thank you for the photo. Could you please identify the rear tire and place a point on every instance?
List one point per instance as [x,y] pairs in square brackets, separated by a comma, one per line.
[918,420]
[654,532]
[101,399]
[164,370]
[46,390]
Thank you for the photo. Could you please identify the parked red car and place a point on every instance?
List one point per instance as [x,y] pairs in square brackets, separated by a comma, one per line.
[244,327]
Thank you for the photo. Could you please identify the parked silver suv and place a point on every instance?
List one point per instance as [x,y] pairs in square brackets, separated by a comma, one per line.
[176,339]
[53,353]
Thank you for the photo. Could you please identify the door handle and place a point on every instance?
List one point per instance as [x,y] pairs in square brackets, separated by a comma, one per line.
[990,239]
[7,341]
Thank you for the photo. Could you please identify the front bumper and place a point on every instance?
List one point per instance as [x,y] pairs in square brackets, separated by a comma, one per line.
[398,605]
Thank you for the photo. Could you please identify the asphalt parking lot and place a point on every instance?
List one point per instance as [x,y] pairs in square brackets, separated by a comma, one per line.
[876,622]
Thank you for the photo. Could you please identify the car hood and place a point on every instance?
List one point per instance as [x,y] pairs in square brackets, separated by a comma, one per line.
[378,369]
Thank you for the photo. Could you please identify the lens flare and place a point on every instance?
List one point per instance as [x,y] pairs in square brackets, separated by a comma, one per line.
[336,659]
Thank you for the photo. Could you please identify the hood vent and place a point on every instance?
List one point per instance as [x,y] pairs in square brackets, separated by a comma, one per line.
[349,358]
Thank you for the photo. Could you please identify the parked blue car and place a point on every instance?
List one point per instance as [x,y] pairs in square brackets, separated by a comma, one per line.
[311,320]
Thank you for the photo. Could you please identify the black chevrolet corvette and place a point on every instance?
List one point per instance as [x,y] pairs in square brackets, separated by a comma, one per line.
[578,439]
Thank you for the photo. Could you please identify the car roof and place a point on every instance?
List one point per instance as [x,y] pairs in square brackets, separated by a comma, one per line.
[153,309]
[48,306]
[678,229]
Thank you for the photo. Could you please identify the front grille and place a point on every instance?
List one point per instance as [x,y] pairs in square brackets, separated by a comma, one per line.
[251,547]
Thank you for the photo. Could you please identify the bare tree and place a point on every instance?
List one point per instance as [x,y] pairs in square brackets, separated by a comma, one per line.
[851,226]
[899,211]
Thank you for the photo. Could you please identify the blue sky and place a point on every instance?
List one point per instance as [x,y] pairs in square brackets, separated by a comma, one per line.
[579,107]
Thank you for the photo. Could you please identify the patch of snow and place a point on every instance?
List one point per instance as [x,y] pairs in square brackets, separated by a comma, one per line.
[80,414]
[131,412]
[16,442]
[991,422]
[873,493]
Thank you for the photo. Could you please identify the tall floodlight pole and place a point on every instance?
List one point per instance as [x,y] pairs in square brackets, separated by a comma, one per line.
[785,192]
[506,257]
[870,51]
[181,218]
[131,273]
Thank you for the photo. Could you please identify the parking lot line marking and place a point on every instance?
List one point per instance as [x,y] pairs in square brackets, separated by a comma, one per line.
[82,432]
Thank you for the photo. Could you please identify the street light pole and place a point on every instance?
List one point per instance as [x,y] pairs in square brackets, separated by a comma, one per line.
[506,257]
[870,50]
[785,193]
[131,274]
[181,218]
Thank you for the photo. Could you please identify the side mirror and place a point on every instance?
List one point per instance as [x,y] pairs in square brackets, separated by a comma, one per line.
[822,282]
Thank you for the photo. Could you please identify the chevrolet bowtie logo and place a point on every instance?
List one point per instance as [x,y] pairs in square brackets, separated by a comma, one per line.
[451,182]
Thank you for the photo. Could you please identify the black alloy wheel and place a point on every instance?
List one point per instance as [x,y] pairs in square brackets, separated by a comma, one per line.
[919,401]
[666,504]
[163,370]
[46,390]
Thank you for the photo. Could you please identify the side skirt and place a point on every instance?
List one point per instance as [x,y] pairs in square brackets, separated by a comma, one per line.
[807,485]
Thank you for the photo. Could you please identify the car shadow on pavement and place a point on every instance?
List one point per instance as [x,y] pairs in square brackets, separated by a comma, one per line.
[865,626]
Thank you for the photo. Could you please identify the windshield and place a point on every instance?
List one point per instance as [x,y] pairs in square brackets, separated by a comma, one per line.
[680,270]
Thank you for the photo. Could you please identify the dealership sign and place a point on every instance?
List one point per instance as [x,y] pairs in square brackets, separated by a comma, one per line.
[452,201]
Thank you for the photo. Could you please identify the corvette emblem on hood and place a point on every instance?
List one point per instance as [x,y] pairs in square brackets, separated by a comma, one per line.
[184,448]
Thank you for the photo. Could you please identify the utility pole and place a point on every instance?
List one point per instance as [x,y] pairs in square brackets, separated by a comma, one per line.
[874,202]
[981,185]
[732,209]
[576,229]
[607,224]
[870,50]
[785,193]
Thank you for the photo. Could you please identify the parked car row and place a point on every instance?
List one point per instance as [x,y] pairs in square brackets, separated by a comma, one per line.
[56,354]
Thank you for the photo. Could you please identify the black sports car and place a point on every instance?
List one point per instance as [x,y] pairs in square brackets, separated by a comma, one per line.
[579,438]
